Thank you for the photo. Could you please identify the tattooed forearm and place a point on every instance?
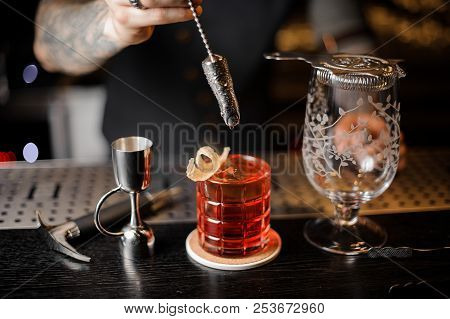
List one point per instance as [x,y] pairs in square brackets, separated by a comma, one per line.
[70,35]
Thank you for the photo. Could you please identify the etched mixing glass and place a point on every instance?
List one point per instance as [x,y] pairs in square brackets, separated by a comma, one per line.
[351,146]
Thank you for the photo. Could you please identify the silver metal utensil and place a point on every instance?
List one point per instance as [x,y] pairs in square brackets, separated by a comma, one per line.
[403,252]
[57,237]
[131,162]
[348,71]
[219,78]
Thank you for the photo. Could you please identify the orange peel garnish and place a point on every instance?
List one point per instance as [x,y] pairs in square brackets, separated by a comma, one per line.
[199,169]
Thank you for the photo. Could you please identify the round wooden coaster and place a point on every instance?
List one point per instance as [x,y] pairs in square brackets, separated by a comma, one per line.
[269,253]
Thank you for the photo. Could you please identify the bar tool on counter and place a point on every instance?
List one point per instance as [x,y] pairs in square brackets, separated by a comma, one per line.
[57,237]
[131,162]
[406,252]
[219,78]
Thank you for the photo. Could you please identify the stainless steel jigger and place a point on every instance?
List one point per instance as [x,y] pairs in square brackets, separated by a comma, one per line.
[219,79]
[131,162]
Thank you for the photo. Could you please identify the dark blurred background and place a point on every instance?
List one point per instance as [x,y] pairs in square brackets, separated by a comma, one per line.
[41,112]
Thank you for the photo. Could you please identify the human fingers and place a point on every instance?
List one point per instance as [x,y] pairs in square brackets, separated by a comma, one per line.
[159,3]
[132,18]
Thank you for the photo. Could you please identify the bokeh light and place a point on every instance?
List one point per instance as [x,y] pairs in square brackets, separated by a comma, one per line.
[7,156]
[30,73]
[30,152]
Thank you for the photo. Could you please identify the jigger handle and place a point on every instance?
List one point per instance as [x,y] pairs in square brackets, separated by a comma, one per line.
[99,226]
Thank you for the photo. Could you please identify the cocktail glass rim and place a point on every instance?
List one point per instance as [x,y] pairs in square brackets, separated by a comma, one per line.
[265,171]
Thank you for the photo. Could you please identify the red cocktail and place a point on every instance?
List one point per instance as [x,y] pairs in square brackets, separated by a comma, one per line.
[233,207]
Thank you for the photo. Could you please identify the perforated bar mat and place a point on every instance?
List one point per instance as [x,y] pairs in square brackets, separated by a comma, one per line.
[424,185]
[63,191]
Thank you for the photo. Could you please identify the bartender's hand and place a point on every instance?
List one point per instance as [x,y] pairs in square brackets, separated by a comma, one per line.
[127,25]
[76,37]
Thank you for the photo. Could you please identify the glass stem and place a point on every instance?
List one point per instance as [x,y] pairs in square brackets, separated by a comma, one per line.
[346,214]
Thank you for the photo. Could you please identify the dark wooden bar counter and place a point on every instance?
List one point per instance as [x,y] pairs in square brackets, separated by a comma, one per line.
[414,211]
[28,270]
